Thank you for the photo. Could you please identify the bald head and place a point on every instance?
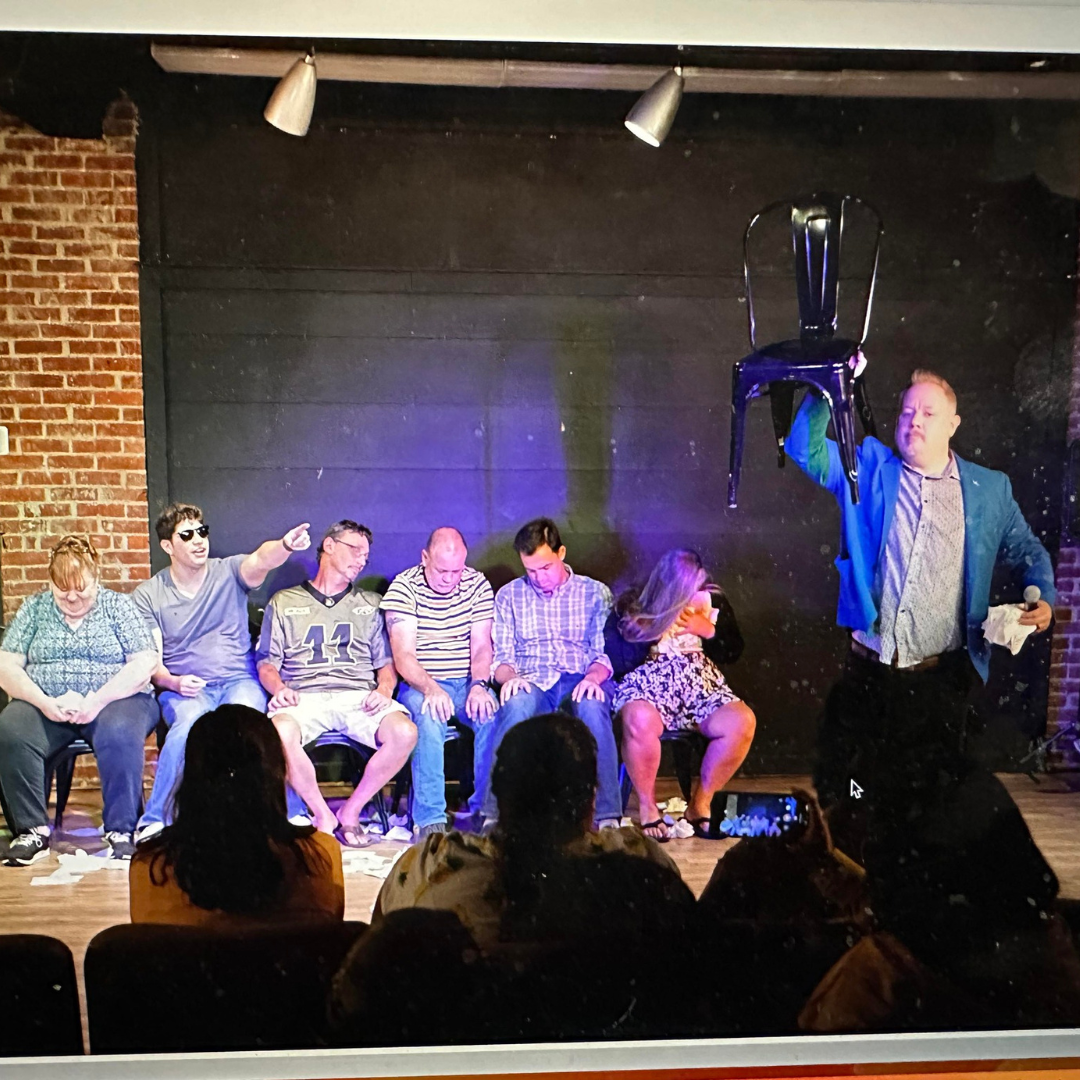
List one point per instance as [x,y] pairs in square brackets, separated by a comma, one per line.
[443,559]
[446,536]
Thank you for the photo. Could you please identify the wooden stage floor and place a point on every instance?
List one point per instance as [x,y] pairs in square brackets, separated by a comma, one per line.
[76,912]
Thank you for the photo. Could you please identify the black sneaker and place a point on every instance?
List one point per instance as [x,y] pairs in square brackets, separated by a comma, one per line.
[27,848]
[120,842]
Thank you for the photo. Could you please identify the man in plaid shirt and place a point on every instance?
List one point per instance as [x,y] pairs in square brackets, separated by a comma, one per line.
[548,641]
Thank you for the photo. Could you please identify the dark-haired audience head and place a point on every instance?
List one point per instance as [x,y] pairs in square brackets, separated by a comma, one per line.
[543,554]
[448,993]
[229,814]
[677,576]
[544,782]
[544,779]
[443,559]
[796,880]
[233,761]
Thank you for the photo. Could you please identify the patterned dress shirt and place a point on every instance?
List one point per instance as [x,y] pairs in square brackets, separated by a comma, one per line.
[922,573]
[544,637]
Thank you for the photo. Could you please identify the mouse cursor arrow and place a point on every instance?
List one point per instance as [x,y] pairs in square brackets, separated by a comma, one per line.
[856,791]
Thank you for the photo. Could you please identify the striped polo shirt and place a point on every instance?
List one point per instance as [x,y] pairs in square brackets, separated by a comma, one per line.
[443,623]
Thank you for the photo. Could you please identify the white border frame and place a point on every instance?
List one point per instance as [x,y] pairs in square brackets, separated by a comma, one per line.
[942,25]
[571,1058]
[1039,26]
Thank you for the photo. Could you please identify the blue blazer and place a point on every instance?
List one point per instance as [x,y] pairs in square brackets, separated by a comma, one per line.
[993,526]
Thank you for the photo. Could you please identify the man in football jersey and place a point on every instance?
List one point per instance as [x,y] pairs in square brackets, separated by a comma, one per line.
[325,659]
[439,618]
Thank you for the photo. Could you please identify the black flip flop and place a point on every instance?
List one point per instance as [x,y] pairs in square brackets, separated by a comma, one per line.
[698,825]
[658,823]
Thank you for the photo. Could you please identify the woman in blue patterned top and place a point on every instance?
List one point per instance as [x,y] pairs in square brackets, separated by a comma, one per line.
[76,662]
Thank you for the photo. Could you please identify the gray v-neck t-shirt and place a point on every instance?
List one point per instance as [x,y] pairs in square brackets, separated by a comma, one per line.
[207,634]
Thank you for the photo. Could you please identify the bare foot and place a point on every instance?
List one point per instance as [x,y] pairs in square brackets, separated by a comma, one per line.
[326,824]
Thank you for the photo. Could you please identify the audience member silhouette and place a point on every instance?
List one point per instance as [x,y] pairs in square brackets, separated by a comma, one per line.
[417,978]
[780,911]
[968,931]
[231,853]
[584,925]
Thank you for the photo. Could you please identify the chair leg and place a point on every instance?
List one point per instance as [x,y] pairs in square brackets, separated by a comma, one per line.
[844,426]
[65,772]
[862,404]
[624,787]
[782,403]
[380,809]
[739,395]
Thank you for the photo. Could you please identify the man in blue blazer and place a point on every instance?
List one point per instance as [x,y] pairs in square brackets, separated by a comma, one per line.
[918,552]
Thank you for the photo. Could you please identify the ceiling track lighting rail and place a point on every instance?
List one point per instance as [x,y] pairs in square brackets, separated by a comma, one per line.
[537,74]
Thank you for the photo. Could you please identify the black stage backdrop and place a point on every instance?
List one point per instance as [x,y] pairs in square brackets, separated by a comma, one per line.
[476,307]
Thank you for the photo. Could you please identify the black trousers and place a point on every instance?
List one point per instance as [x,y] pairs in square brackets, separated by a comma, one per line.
[897,734]
[28,738]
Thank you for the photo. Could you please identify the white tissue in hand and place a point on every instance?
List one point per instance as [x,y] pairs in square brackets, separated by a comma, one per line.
[1002,627]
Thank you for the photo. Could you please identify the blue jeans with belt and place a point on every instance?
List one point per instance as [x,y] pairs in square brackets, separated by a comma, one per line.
[428,765]
[596,715]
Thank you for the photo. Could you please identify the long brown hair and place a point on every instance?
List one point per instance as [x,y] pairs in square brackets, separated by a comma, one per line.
[671,586]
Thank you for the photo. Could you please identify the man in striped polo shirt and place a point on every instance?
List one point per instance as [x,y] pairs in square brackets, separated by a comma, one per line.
[439,617]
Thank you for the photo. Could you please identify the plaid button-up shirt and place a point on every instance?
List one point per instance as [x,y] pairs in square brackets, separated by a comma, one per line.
[543,637]
[922,573]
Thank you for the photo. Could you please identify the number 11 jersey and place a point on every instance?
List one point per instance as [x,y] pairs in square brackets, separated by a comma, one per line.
[323,642]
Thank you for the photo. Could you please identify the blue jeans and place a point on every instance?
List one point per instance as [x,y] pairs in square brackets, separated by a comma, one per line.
[180,713]
[428,764]
[596,715]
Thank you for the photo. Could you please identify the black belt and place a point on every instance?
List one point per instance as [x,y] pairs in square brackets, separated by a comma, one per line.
[926,664]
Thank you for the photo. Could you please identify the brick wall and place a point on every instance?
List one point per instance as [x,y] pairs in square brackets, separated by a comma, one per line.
[70,358]
[1065,652]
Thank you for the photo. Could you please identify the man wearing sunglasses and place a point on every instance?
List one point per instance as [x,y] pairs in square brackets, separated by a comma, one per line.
[197,609]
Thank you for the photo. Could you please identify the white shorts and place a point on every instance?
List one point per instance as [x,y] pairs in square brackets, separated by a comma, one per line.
[337,710]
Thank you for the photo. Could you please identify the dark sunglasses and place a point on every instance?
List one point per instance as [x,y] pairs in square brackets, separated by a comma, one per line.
[187,534]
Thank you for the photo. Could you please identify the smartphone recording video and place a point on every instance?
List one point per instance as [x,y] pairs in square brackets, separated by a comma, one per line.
[755,813]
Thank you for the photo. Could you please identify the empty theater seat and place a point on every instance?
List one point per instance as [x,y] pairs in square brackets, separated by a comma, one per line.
[39,998]
[152,988]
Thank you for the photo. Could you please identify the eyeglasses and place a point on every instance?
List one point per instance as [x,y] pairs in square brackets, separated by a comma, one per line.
[355,547]
[202,531]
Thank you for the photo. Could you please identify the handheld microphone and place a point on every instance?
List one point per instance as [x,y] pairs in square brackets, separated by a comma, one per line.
[1031,597]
